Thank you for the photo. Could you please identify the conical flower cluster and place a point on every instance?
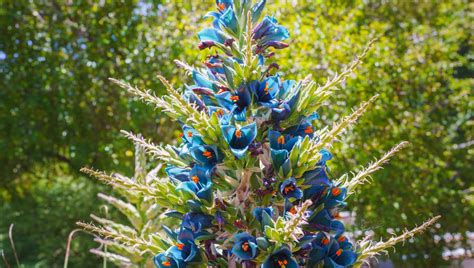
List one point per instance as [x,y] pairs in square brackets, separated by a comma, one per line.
[249,183]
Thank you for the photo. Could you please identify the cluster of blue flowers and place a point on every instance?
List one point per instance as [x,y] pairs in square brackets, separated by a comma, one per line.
[250,116]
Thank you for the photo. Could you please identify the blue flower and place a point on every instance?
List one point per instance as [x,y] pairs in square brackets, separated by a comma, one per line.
[257,10]
[280,147]
[320,247]
[192,98]
[268,30]
[164,260]
[336,252]
[324,221]
[263,215]
[281,258]
[222,5]
[205,155]
[196,222]
[198,182]
[191,136]
[279,141]
[284,109]
[177,173]
[289,189]
[266,91]
[214,64]
[239,139]
[258,212]
[335,198]
[210,37]
[202,81]
[229,21]
[185,250]
[245,247]
[305,128]
[343,241]
[318,182]
[236,102]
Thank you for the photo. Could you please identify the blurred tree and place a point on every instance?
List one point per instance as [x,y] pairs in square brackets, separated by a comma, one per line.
[58,112]
[56,58]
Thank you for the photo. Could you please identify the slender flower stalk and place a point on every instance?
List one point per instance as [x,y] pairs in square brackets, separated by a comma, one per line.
[363,176]
[371,249]
[136,242]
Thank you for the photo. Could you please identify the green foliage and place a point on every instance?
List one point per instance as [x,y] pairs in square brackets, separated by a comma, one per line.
[44,214]
[58,111]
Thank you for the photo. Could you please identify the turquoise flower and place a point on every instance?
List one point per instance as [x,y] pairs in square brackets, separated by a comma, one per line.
[245,247]
[258,213]
[205,155]
[317,181]
[289,189]
[185,250]
[228,21]
[257,10]
[280,148]
[324,221]
[281,258]
[335,197]
[210,37]
[239,139]
[269,31]
[196,222]
[335,252]
[198,182]
[284,109]
[236,102]
[164,260]
[223,5]
[263,215]
[266,91]
[305,128]
[177,174]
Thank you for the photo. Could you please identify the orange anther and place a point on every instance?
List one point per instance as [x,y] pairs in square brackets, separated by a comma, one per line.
[190,134]
[308,130]
[166,263]
[195,179]
[289,188]
[266,88]
[324,241]
[234,98]
[245,246]
[207,154]
[281,139]
[180,246]
[238,133]
[292,210]
[335,191]
[339,252]
[341,238]
[221,6]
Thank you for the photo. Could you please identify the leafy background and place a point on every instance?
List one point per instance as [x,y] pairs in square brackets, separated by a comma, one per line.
[58,112]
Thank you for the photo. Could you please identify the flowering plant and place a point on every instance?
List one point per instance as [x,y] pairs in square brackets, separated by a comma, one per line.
[249,183]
